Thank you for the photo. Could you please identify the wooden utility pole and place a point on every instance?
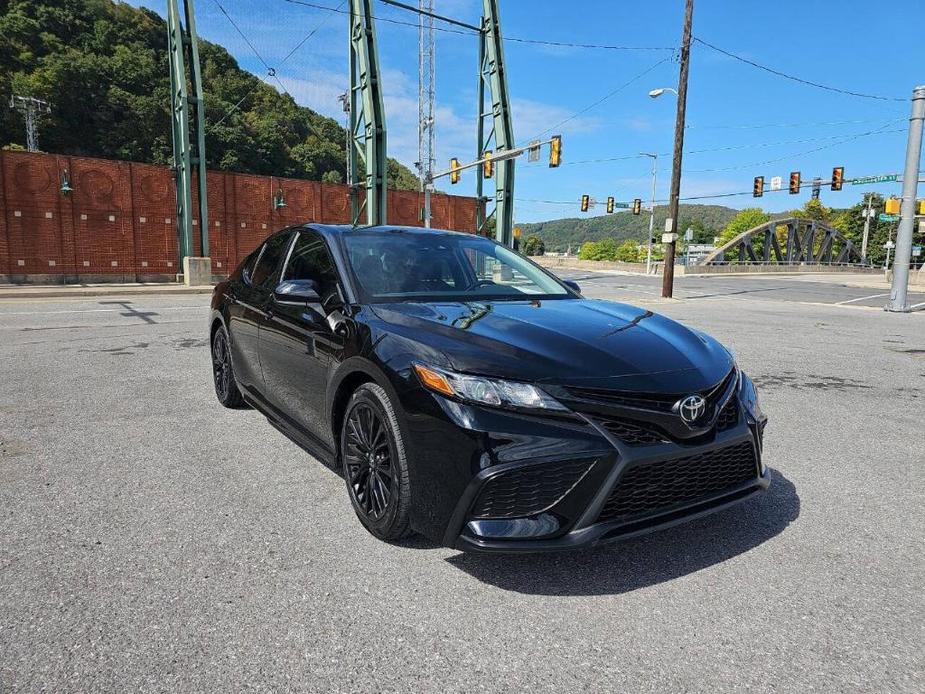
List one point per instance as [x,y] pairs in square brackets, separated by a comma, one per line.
[671,227]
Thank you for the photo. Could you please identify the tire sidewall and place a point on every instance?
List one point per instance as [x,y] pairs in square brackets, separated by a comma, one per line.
[384,527]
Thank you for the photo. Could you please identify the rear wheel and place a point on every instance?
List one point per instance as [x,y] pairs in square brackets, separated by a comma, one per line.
[374,463]
[226,388]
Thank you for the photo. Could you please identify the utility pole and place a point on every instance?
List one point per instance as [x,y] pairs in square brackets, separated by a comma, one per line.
[903,255]
[671,225]
[654,158]
[426,98]
[867,215]
[30,108]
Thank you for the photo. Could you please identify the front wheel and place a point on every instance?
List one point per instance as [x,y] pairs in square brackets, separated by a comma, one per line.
[374,463]
[226,388]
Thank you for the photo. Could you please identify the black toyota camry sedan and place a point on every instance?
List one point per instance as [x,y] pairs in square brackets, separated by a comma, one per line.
[465,393]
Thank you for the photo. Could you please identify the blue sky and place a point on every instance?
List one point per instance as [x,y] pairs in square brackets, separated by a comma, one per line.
[752,123]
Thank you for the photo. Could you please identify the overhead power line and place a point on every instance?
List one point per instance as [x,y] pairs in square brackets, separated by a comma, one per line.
[794,78]
[469,32]
[604,98]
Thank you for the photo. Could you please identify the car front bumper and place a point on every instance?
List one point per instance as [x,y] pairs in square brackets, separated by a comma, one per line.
[496,481]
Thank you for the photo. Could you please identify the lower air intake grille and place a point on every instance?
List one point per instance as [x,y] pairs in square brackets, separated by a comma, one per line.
[529,490]
[651,487]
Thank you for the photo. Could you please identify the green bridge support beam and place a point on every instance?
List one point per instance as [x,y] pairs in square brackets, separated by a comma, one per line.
[189,150]
[367,136]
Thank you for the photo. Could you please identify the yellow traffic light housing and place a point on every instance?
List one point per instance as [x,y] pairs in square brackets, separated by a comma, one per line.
[488,166]
[555,151]
[637,206]
[454,170]
[585,202]
[838,177]
[921,207]
[794,182]
[891,206]
[758,187]
[610,205]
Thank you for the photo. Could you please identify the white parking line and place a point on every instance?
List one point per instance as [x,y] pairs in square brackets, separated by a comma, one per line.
[131,307]
[860,298]
[918,305]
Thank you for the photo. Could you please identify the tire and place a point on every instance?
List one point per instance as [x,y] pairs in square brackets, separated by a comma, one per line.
[226,388]
[374,464]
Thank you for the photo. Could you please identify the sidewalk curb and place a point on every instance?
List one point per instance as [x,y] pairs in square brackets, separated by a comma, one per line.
[26,293]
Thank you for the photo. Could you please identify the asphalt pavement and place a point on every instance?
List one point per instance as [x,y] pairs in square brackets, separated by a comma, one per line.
[151,540]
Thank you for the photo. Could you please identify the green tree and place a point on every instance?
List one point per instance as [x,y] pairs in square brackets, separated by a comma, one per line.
[628,251]
[815,210]
[103,67]
[533,245]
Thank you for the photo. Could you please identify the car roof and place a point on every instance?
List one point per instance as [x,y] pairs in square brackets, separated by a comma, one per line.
[339,229]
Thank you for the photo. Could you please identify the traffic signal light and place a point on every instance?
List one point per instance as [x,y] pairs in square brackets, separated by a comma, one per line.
[637,206]
[758,187]
[555,151]
[891,206]
[921,207]
[454,170]
[488,166]
[585,202]
[610,205]
[794,182]
[838,177]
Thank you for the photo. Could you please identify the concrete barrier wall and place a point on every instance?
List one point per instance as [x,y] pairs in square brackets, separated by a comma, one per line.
[119,222]
[553,262]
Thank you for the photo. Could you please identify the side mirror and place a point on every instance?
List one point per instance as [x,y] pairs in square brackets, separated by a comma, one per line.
[572,284]
[297,291]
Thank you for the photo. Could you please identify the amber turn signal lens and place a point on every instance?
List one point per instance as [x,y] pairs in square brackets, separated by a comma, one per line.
[434,380]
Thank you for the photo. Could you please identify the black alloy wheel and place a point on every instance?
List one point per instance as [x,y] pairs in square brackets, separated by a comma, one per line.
[226,389]
[374,464]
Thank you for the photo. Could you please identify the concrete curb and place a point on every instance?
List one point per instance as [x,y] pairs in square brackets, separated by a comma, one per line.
[72,291]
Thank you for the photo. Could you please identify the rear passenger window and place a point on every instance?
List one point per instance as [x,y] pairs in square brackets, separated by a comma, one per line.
[268,264]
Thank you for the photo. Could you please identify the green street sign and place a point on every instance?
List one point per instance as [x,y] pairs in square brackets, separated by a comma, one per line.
[622,205]
[888,217]
[887,178]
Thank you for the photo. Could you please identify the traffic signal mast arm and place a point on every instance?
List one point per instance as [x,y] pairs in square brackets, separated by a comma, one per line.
[494,157]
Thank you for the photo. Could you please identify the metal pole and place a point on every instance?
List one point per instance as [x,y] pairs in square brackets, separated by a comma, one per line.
[870,198]
[901,258]
[672,224]
[651,212]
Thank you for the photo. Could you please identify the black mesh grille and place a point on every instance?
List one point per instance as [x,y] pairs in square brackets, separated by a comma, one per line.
[651,487]
[729,416]
[632,433]
[529,490]
[649,401]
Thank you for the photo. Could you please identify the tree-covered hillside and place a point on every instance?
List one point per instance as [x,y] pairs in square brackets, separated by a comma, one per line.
[103,67]
[557,235]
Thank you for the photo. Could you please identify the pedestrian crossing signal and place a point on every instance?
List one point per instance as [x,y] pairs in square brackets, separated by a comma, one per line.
[794,182]
[758,187]
[637,206]
[610,205]
[891,206]
[488,166]
[585,202]
[838,177]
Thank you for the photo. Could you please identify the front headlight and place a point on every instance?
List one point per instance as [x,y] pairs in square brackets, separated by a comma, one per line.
[749,396]
[485,391]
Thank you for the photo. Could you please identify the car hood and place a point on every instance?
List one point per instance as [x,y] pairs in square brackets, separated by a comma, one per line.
[567,341]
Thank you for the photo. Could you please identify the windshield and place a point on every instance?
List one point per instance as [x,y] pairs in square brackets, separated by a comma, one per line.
[396,265]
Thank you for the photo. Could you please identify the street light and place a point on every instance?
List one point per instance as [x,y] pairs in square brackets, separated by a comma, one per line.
[655,93]
[654,158]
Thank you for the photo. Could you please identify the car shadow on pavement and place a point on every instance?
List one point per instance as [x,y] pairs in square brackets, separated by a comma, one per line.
[644,561]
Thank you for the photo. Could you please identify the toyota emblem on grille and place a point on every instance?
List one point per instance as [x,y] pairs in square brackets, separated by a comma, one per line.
[692,408]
